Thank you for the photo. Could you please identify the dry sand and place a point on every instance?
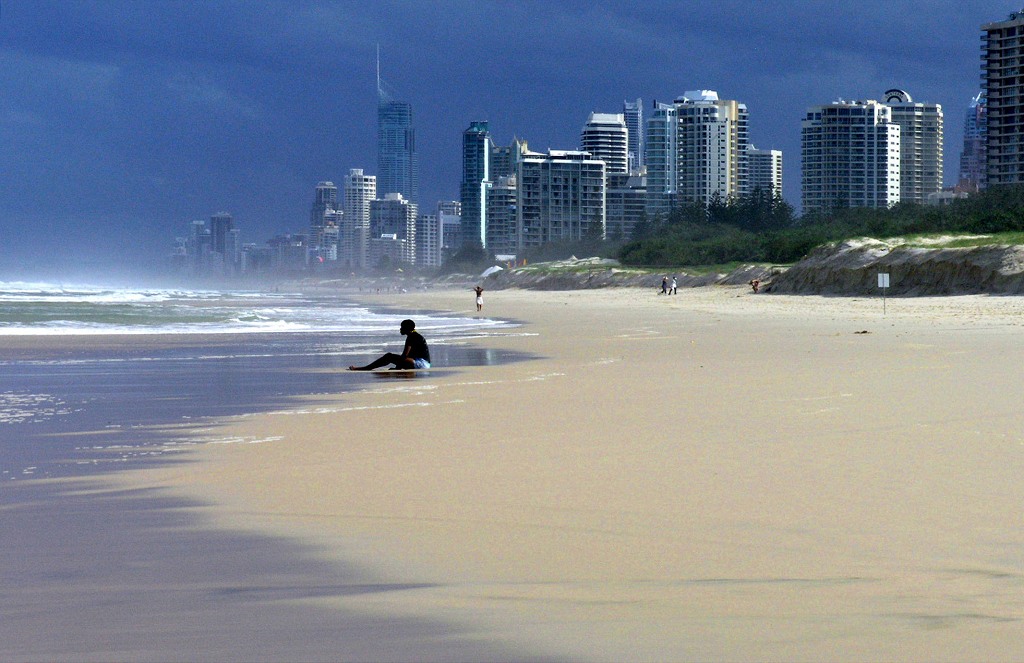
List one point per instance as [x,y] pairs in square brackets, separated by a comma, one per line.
[708,476]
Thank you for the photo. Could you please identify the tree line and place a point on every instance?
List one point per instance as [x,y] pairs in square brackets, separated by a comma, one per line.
[763,228]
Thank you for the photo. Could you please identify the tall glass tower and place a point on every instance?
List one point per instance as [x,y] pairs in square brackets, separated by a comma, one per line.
[476,173]
[397,163]
[634,115]
[221,225]
[972,158]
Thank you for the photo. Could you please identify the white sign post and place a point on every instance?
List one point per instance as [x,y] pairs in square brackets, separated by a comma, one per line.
[883,283]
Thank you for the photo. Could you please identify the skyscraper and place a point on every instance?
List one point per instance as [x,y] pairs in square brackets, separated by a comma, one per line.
[921,145]
[625,200]
[764,171]
[561,198]
[696,151]
[1001,80]
[326,198]
[633,112]
[392,229]
[476,155]
[605,136]
[850,156]
[503,160]
[322,223]
[397,165]
[428,240]
[199,245]
[359,190]
[501,216]
[972,158]
[449,215]
[662,159]
[220,225]
[224,240]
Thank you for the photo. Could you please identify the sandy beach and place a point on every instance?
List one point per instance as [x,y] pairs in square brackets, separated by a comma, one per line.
[714,475]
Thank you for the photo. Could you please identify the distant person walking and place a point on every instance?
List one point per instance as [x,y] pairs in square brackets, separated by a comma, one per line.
[675,287]
[415,355]
[479,298]
[664,286]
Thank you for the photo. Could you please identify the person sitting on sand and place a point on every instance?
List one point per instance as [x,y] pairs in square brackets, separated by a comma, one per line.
[415,355]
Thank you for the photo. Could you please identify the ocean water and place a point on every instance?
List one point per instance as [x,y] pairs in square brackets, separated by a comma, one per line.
[88,373]
[96,379]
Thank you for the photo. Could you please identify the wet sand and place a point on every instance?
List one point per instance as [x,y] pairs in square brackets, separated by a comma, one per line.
[94,574]
[708,476]
[91,571]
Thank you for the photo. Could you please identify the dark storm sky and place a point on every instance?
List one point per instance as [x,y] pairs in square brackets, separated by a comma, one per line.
[123,120]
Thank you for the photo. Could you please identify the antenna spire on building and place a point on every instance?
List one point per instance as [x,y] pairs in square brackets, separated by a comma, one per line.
[382,94]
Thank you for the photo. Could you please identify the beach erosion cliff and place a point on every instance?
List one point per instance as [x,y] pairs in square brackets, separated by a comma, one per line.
[591,273]
[848,268]
[852,268]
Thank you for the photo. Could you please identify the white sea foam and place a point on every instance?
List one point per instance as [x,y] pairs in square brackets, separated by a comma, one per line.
[16,408]
[40,309]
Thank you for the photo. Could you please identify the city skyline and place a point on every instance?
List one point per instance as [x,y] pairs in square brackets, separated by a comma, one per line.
[145,116]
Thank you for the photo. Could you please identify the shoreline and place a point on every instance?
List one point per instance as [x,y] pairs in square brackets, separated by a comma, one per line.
[707,475]
[101,571]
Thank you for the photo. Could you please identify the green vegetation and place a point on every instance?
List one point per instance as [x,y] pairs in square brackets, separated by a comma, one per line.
[587,247]
[763,229]
[939,241]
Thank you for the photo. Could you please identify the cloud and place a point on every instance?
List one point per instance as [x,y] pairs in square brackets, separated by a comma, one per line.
[32,83]
[198,93]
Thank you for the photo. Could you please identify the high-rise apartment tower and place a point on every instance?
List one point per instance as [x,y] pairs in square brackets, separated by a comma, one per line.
[221,225]
[764,168]
[1001,80]
[850,156]
[392,229]
[359,191]
[476,174]
[322,222]
[501,216]
[696,151]
[605,136]
[921,145]
[561,198]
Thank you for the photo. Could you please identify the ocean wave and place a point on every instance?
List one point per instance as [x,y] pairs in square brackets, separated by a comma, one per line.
[41,309]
